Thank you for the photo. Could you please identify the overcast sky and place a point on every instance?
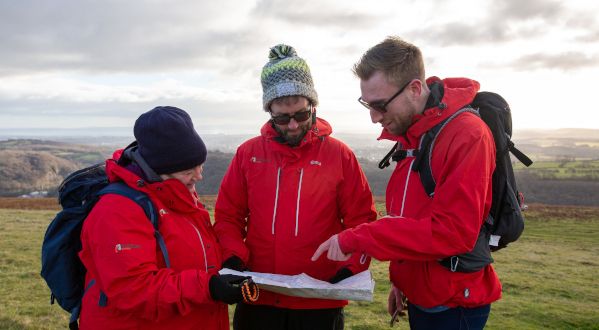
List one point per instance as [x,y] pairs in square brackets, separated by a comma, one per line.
[81,63]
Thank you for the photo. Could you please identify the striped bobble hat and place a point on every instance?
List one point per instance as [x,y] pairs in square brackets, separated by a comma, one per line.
[286,74]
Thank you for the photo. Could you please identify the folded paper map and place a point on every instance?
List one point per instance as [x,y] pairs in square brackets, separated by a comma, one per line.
[357,287]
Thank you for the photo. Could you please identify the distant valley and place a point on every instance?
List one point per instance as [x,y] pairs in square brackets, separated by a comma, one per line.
[566,169]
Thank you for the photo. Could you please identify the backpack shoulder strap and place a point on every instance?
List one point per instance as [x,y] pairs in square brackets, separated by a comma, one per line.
[146,204]
[386,160]
[140,198]
[422,163]
[518,154]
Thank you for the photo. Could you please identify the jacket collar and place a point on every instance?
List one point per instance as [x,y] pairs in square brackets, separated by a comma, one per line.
[170,193]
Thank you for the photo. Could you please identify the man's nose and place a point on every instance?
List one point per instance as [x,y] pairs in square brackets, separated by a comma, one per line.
[293,124]
[375,116]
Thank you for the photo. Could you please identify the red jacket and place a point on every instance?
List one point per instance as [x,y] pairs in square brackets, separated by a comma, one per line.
[419,230]
[292,199]
[142,293]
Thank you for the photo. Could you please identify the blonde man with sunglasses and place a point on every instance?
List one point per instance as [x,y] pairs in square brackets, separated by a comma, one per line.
[286,191]
[419,230]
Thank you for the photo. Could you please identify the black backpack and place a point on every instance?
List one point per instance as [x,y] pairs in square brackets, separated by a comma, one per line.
[505,222]
[61,267]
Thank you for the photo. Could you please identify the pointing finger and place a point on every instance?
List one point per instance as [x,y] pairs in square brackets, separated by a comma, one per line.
[321,249]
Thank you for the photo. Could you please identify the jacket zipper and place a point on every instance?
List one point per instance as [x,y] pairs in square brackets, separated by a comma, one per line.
[202,243]
[274,213]
[297,204]
[405,189]
[297,207]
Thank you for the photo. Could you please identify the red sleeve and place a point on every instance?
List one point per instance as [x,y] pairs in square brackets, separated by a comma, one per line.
[462,200]
[131,278]
[356,205]
[231,211]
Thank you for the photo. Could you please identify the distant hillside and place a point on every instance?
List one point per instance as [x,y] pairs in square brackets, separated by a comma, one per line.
[35,165]
[214,170]
[580,134]
[559,143]
[24,171]
[540,144]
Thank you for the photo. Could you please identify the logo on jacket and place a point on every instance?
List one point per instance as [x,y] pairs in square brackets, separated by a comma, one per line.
[315,162]
[124,247]
[255,159]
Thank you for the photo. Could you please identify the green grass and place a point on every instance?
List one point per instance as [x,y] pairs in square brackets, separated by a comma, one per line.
[548,276]
[562,170]
[24,296]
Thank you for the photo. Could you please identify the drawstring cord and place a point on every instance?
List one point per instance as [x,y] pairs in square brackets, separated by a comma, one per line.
[250,291]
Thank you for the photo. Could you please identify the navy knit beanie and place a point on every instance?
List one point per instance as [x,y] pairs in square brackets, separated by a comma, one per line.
[167,140]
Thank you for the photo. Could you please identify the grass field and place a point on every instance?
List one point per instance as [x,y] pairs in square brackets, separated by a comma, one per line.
[549,275]
[561,170]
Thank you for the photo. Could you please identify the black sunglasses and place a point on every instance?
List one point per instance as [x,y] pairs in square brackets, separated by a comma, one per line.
[381,106]
[299,116]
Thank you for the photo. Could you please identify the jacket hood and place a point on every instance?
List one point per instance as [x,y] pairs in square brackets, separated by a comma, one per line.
[170,192]
[455,94]
[116,172]
[319,129]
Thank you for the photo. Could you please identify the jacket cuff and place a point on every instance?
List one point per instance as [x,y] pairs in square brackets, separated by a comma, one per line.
[241,253]
[347,241]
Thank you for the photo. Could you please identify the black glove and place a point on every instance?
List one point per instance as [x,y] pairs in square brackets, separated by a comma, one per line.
[342,274]
[235,263]
[226,288]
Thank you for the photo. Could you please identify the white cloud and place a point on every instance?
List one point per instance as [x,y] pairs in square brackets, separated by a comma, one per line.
[69,63]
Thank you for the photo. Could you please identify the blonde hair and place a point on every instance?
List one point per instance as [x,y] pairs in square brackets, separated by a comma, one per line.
[398,60]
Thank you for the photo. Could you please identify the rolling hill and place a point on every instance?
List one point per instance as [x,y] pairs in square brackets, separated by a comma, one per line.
[570,178]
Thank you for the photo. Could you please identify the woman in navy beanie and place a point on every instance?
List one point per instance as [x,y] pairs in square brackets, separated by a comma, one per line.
[134,286]
[167,140]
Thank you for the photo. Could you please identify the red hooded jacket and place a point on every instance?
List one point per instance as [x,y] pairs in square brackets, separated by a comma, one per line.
[142,293]
[419,230]
[291,200]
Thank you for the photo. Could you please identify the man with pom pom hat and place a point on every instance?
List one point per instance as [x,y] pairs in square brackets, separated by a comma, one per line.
[286,191]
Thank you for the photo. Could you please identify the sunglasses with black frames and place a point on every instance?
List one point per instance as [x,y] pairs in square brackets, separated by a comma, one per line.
[299,116]
[381,106]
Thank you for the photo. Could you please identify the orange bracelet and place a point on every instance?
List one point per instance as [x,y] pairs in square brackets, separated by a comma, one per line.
[249,291]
